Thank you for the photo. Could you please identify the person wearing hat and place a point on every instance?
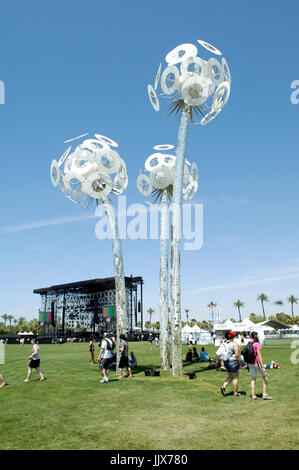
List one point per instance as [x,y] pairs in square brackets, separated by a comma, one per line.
[232,364]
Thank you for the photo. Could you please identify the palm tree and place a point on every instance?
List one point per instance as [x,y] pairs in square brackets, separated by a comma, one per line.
[148,325]
[263,298]
[150,311]
[187,312]
[10,318]
[5,318]
[239,304]
[292,300]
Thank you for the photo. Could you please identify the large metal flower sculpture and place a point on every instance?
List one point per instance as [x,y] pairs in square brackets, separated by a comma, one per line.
[199,87]
[200,83]
[92,171]
[160,174]
[158,180]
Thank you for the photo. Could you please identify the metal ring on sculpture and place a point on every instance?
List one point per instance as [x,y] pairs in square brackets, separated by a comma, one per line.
[144,189]
[172,69]
[67,180]
[186,178]
[212,74]
[153,97]
[210,116]
[218,100]
[195,84]
[166,159]
[163,147]
[161,177]
[64,156]
[81,164]
[194,172]
[190,190]
[179,53]
[122,171]
[93,145]
[54,173]
[112,157]
[152,159]
[119,184]
[199,69]
[76,201]
[106,140]
[98,185]
[226,70]
[158,76]
[209,47]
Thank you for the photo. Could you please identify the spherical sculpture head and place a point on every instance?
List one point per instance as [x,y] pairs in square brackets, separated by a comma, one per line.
[92,170]
[159,174]
[197,83]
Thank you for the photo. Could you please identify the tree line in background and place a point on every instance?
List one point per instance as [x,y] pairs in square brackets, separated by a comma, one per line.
[12,325]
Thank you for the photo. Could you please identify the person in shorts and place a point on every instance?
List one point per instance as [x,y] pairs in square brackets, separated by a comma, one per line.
[34,362]
[258,367]
[106,353]
[232,364]
[124,359]
[91,351]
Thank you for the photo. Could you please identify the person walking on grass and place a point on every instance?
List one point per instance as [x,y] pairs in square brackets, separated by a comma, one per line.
[124,359]
[91,351]
[106,353]
[34,362]
[2,383]
[258,367]
[232,364]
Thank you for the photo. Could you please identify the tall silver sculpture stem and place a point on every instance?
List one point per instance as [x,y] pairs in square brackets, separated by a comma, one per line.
[164,249]
[120,288]
[175,281]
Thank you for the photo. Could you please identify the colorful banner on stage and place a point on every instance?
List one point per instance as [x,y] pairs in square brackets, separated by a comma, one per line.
[109,312]
[45,317]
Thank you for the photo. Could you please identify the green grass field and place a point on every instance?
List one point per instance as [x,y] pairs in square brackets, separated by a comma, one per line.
[72,410]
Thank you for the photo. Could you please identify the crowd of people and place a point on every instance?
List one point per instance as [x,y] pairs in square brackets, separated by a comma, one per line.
[233,363]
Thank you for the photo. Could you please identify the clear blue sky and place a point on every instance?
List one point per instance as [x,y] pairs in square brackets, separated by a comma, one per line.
[71,67]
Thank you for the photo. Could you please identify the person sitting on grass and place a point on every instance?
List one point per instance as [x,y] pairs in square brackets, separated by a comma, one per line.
[204,357]
[189,355]
[132,360]
[196,357]
[2,384]
[272,365]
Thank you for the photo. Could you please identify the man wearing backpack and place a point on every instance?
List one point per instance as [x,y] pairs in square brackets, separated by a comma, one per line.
[257,367]
[106,353]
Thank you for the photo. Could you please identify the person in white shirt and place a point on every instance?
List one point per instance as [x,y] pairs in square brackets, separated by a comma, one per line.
[34,362]
[106,353]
